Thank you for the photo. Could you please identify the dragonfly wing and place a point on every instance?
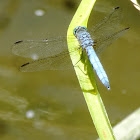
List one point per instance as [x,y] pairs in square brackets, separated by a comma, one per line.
[105,42]
[57,62]
[36,49]
[108,25]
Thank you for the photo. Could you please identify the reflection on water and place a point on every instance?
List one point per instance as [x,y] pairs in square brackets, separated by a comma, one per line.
[38,119]
[17,102]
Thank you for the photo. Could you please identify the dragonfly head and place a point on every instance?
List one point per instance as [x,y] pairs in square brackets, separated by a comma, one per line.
[79,29]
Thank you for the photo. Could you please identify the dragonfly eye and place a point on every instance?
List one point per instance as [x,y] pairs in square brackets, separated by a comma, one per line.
[78,29]
[75,30]
[83,28]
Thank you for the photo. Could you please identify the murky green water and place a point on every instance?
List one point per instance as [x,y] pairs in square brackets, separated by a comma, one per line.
[50,104]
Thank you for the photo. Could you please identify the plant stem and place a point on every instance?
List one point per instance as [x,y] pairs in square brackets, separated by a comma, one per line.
[86,76]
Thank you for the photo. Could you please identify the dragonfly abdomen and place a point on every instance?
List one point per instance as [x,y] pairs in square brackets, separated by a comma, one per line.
[97,66]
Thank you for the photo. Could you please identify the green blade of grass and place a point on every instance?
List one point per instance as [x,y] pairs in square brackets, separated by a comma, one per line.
[86,76]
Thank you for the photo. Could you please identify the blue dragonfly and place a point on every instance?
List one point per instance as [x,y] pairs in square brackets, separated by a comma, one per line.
[52,54]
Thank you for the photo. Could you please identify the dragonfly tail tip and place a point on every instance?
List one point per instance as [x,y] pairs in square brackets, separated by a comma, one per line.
[108,87]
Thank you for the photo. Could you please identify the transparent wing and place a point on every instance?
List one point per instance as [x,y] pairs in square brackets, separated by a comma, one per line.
[108,25]
[51,54]
[36,49]
[103,44]
[58,62]
[105,32]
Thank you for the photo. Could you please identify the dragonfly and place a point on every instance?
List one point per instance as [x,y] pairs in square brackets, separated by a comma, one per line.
[53,54]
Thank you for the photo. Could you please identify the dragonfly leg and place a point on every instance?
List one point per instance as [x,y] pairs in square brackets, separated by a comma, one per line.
[85,61]
[77,62]
[94,42]
[81,55]
[94,46]
[82,70]
[80,48]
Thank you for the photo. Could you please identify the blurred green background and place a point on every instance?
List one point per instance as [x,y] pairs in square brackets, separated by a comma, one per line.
[50,104]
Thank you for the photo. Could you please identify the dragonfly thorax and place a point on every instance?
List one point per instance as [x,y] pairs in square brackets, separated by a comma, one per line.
[83,36]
